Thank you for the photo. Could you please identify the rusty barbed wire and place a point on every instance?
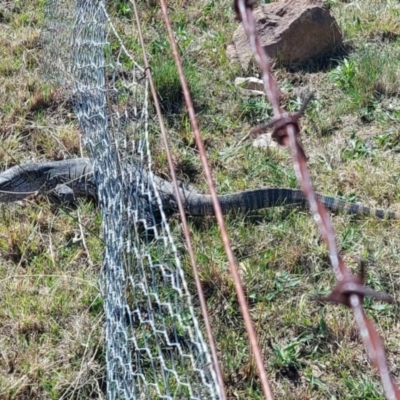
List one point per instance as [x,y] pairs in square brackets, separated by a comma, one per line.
[350,290]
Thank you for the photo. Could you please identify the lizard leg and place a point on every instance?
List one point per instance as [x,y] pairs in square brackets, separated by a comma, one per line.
[64,195]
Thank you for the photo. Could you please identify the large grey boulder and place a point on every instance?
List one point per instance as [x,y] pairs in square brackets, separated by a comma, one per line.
[291,31]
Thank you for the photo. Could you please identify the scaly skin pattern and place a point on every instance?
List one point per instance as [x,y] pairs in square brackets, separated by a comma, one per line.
[21,181]
[76,175]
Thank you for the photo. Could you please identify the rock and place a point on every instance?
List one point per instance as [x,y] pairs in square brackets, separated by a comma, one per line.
[292,31]
[250,86]
[265,141]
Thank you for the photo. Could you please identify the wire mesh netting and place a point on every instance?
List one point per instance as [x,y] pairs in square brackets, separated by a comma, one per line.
[155,348]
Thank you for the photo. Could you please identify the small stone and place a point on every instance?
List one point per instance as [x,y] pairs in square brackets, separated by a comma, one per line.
[250,86]
[265,141]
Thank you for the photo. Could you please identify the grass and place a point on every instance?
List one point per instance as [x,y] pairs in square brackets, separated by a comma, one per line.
[51,325]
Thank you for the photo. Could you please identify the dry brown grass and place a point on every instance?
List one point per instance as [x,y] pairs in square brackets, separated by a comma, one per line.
[51,328]
[51,317]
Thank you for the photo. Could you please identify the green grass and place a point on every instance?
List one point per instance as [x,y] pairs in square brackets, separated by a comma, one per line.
[51,325]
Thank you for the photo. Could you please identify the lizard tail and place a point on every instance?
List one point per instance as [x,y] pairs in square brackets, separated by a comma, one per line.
[258,199]
[335,204]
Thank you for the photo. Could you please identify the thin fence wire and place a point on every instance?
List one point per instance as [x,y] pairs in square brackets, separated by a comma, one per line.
[155,347]
[179,201]
[244,308]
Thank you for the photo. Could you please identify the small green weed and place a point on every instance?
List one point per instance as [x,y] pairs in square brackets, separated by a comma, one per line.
[343,75]
[166,80]
[288,356]
[388,141]
[255,109]
[356,148]
[367,75]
